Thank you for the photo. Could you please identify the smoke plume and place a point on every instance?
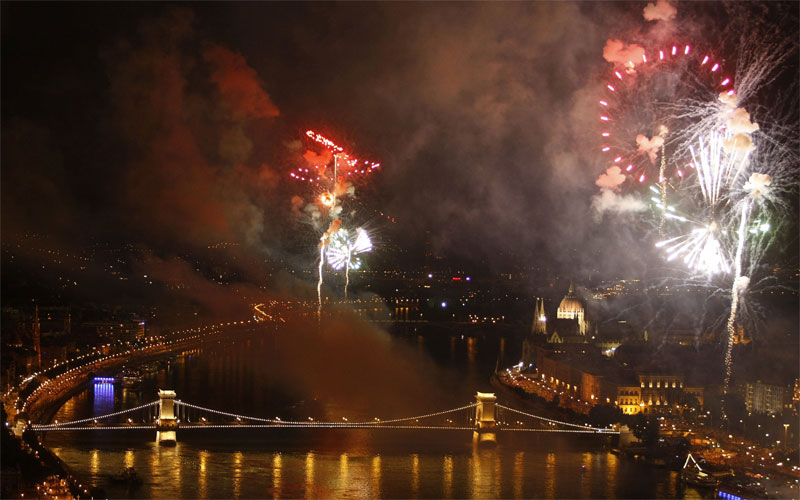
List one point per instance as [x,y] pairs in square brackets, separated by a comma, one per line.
[662,10]
[616,51]
[650,146]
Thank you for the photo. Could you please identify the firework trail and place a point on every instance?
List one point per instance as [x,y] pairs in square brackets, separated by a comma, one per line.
[739,286]
[334,244]
[717,173]
[324,242]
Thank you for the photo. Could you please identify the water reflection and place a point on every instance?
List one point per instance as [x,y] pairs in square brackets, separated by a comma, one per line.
[344,470]
[376,476]
[448,476]
[237,474]
[550,476]
[586,469]
[309,470]
[103,394]
[94,462]
[612,463]
[415,475]
[277,475]
[128,460]
[519,473]
[484,468]
[202,481]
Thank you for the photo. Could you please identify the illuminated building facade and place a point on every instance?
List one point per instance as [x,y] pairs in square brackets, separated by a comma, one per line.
[629,399]
[764,398]
[572,308]
[539,325]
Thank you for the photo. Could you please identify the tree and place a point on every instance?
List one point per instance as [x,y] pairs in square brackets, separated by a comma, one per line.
[604,415]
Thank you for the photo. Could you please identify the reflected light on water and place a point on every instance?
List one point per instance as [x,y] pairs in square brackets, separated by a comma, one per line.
[103,395]
[309,482]
[550,476]
[612,463]
[129,458]
[483,471]
[277,473]
[447,476]
[376,476]
[94,462]
[415,475]
[586,469]
[202,480]
[519,473]
[237,474]
[344,469]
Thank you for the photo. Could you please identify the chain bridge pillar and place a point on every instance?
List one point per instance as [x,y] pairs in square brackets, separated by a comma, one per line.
[167,423]
[485,424]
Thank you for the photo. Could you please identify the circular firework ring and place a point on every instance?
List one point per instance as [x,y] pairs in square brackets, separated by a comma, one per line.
[652,109]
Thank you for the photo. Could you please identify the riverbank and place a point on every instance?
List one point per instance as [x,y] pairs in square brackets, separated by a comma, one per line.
[29,467]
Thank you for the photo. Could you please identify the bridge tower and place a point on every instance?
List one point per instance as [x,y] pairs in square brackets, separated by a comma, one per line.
[167,423]
[485,424]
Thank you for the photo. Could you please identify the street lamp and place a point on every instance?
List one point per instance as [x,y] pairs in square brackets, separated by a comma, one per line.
[785,431]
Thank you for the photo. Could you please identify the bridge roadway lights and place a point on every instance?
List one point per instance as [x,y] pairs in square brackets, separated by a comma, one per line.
[167,424]
[485,433]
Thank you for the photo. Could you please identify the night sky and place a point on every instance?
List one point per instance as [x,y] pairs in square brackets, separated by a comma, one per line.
[174,126]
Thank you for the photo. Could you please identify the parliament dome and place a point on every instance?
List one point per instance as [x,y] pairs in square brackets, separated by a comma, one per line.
[571,307]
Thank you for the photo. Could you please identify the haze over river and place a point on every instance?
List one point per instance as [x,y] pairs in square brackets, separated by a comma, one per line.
[238,376]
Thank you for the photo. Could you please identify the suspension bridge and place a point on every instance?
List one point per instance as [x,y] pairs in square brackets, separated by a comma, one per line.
[485,418]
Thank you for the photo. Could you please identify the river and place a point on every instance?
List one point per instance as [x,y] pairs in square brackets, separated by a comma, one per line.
[234,376]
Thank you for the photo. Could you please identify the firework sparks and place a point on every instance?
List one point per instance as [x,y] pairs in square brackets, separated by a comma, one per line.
[343,252]
[676,87]
[333,171]
[327,199]
[717,172]
[344,162]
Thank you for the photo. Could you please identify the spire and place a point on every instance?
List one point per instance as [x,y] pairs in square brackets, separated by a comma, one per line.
[571,288]
[539,318]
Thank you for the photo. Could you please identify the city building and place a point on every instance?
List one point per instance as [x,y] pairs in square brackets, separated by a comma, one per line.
[760,397]
[572,308]
[539,324]
[597,379]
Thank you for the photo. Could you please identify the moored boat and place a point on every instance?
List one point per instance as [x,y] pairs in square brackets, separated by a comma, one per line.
[694,475]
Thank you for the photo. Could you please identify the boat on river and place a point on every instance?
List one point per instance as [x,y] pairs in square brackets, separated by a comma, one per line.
[131,379]
[694,475]
[128,477]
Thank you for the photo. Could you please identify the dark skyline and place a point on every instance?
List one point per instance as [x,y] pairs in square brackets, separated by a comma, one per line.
[174,126]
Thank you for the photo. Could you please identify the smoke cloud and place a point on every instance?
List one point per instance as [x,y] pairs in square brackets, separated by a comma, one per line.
[318,159]
[758,184]
[739,142]
[611,179]
[662,10]
[195,174]
[739,122]
[238,84]
[609,201]
[617,51]
[650,146]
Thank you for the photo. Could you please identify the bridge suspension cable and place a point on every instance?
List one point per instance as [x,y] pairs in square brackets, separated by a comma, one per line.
[74,422]
[568,424]
[322,425]
[302,423]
